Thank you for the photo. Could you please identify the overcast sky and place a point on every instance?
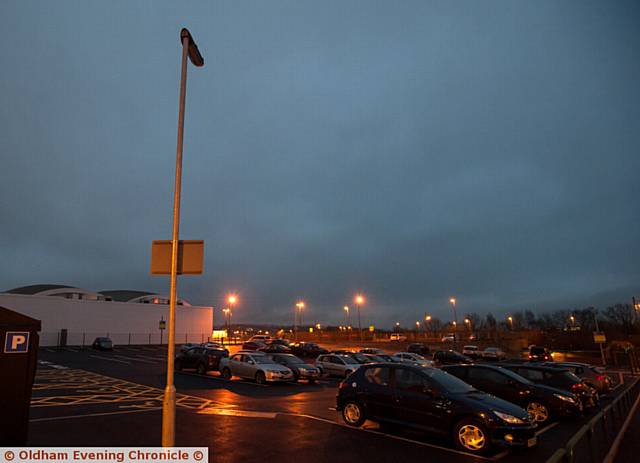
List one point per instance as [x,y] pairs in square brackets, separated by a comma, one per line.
[410,150]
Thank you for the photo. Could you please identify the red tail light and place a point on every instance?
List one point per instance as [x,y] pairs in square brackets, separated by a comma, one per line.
[342,385]
[530,356]
[601,377]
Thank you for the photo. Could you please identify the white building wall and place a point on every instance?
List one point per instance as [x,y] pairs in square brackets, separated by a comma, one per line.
[123,322]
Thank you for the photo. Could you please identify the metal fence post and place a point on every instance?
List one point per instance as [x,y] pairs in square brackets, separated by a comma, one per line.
[83,336]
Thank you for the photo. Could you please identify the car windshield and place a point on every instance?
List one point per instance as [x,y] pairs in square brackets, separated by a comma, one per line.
[292,359]
[448,382]
[348,360]
[263,359]
[515,376]
[375,358]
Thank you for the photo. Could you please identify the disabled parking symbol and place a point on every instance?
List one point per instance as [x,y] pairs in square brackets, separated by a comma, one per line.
[16,342]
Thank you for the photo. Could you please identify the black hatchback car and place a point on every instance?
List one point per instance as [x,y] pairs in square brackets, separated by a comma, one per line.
[431,400]
[450,357]
[558,378]
[201,358]
[419,348]
[540,401]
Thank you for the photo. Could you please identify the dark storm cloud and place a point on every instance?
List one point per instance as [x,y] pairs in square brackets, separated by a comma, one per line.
[412,152]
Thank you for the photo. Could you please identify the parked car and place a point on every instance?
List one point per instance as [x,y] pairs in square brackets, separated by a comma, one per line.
[432,400]
[389,358]
[494,353]
[541,402]
[343,351]
[261,337]
[275,348]
[281,341]
[188,345]
[371,350]
[472,352]
[448,338]
[593,376]
[360,358]
[300,369]
[418,348]
[307,349]
[213,345]
[539,354]
[253,345]
[449,357]
[336,365]
[414,359]
[375,358]
[254,365]
[558,378]
[397,337]
[103,343]
[200,358]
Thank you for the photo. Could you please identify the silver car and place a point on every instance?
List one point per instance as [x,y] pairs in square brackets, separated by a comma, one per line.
[414,359]
[336,365]
[254,365]
[494,353]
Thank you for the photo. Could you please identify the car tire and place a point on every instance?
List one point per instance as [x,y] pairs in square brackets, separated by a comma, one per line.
[226,373]
[260,378]
[471,436]
[539,410]
[353,414]
[202,369]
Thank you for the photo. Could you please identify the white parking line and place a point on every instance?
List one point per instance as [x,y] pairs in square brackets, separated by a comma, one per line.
[242,413]
[53,418]
[547,428]
[109,359]
[135,359]
[220,378]
[404,439]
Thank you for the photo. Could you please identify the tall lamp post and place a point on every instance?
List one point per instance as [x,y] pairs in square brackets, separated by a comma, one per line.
[359,301]
[231,300]
[467,322]
[455,323]
[189,48]
[297,317]
[347,320]
[427,321]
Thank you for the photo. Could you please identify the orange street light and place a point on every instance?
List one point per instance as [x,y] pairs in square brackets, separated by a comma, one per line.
[232,299]
[359,301]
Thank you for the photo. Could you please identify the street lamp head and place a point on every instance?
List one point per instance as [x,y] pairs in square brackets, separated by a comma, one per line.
[232,299]
[510,318]
[359,299]
[466,320]
[428,318]
[453,300]
[194,54]
[300,305]
[454,323]
[417,323]
[346,308]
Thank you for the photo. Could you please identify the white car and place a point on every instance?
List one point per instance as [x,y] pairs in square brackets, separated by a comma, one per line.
[336,365]
[254,365]
[493,353]
[448,338]
[261,337]
[414,359]
[397,337]
[471,351]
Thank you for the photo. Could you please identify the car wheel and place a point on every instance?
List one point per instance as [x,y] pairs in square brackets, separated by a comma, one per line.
[178,365]
[260,378]
[471,436]
[538,411]
[226,373]
[353,414]
[202,369]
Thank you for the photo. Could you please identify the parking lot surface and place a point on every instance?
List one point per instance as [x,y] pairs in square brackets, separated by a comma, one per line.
[88,398]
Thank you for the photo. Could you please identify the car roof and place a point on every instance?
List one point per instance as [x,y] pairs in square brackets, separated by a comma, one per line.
[250,352]
[534,367]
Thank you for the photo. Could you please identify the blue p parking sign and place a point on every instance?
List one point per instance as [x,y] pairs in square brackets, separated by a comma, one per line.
[16,342]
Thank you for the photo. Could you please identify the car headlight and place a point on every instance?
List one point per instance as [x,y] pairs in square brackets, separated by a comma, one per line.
[508,418]
[566,398]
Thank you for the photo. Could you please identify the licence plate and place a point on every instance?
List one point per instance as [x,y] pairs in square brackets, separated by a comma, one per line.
[531,442]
